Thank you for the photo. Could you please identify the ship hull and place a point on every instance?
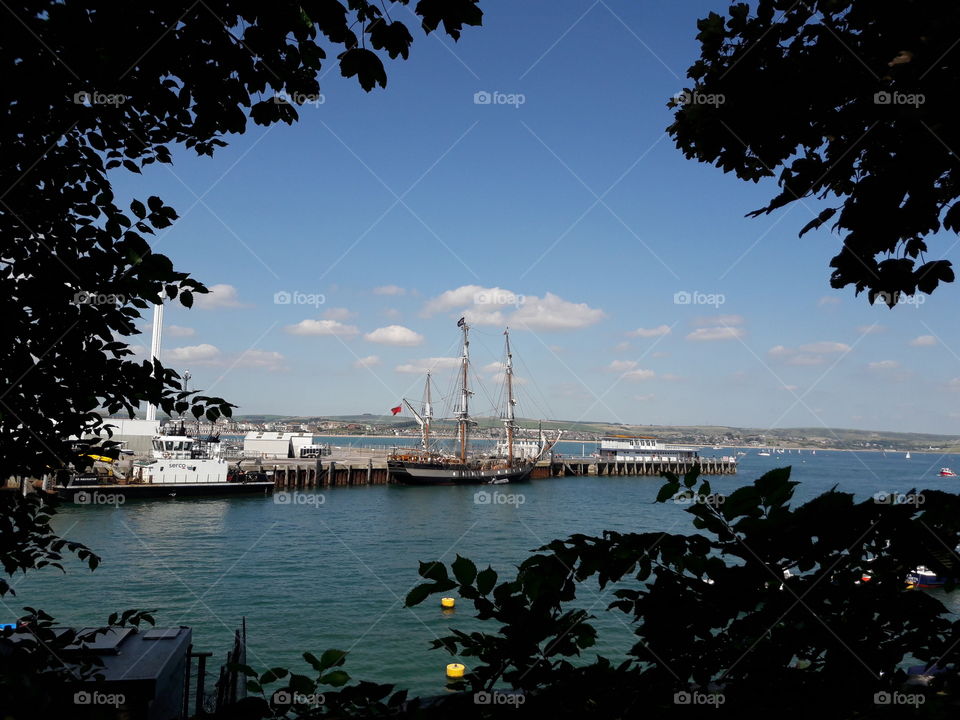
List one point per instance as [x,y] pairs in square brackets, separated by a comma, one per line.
[112,494]
[424,473]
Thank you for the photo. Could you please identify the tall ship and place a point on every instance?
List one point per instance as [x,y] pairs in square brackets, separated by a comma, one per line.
[426,466]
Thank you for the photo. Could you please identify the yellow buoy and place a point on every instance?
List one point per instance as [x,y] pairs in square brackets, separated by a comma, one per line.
[447,602]
[455,670]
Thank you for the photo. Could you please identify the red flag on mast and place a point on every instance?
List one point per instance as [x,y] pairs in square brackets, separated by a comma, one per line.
[396,409]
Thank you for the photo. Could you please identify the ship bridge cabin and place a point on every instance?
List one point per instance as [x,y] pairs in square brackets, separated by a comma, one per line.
[637,448]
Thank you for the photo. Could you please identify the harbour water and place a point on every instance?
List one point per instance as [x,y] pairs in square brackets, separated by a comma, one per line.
[331,569]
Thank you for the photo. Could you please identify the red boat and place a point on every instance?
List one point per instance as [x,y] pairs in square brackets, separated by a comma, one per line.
[947,472]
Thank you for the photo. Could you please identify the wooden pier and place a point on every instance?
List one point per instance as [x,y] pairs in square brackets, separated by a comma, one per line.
[566,467]
[345,474]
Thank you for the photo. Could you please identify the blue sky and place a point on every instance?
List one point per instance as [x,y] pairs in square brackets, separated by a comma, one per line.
[561,208]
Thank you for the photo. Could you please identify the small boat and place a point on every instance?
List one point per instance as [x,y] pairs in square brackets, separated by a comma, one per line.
[907,456]
[923,577]
[763,453]
[499,481]
[946,472]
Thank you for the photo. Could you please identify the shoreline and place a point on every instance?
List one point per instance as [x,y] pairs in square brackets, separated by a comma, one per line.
[805,448]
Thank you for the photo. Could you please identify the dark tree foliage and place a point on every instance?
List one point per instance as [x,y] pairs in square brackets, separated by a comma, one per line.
[722,630]
[853,102]
[91,89]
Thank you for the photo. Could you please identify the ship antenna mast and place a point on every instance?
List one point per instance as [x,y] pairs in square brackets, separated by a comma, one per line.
[509,420]
[427,415]
[463,412]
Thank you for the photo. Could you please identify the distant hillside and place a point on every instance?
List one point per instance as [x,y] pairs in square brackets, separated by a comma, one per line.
[839,438]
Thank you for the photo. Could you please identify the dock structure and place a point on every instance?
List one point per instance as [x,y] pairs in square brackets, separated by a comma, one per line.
[566,467]
[335,473]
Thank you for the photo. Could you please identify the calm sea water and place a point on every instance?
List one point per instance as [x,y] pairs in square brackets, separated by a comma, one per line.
[333,571]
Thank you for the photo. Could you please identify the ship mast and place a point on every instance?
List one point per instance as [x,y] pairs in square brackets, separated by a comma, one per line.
[509,420]
[463,411]
[427,415]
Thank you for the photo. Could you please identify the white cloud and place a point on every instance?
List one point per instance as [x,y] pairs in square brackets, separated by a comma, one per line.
[658,331]
[321,327]
[498,306]
[644,398]
[203,354]
[718,320]
[368,361]
[621,347]
[670,377]
[619,366]
[716,333]
[555,313]
[790,388]
[638,375]
[392,314]
[924,341]
[389,290]
[494,367]
[262,359]
[339,314]
[825,347]
[828,300]
[220,296]
[395,335]
[419,367]
[500,377]
[172,330]
[954,384]
[883,365]
[871,329]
